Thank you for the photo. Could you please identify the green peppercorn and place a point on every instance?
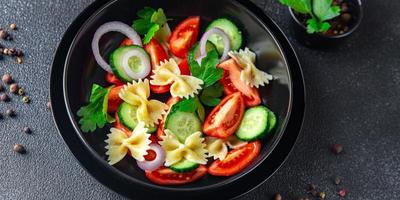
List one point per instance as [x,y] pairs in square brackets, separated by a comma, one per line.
[26,99]
[21,91]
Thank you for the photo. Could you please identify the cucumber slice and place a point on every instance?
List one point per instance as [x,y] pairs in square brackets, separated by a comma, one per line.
[183,124]
[194,52]
[184,166]
[271,121]
[254,124]
[127,116]
[138,62]
[230,29]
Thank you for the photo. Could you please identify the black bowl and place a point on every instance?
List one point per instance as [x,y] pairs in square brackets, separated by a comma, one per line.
[75,70]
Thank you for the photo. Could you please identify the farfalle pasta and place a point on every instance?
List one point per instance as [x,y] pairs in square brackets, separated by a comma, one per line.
[119,143]
[250,74]
[218,148]
[192,150]
[183,86]
[137,93]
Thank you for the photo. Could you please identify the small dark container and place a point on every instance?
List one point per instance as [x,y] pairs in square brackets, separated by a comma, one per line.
[319,40]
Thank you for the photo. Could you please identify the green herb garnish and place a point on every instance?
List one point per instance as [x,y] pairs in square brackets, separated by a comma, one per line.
[207,71]
[150,22]
[319,10]
[211,95]
[95,113]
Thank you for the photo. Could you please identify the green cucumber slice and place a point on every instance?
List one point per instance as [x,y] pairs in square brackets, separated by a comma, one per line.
[233,32]
[127,116]
[183,124]
[254,124]
[271,121]
[184,166]
[137,64]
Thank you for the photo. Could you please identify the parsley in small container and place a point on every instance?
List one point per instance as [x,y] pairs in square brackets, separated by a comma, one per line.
[322,23]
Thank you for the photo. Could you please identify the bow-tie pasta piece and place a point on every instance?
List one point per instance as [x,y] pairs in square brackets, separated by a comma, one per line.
[119,143]
[192,150]
[216,148]
[183,86]
[148,111]
[250,74]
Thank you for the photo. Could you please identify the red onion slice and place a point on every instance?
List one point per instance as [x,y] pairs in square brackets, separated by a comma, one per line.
[157,162]
[220,32]
[112,27]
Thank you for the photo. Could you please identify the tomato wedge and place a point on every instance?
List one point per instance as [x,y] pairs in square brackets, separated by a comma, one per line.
[225,119]
[236,160]
[171,101]
[157,54]
[126,42]
[232,83]
[184,36]
[113,99]
[111,78]
[184,67]
[166,176]
[117,124]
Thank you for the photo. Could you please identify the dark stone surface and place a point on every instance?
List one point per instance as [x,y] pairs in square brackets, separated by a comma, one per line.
[353,99]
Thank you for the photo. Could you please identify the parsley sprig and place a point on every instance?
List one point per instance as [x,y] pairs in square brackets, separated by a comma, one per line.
[95,113]
[319,10]
[210,74]
[150,22]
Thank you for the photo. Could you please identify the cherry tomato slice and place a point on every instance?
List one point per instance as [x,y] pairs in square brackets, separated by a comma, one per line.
[113,99]
[166,176]
[236,160]
[225,119]
[171,101]
[126,42]
[184,36]
[232,83]
[111,78]
[118,125]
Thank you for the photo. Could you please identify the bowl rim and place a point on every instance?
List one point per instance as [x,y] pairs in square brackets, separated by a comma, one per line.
[80,154]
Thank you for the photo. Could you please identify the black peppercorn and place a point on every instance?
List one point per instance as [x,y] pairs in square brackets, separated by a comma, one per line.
[27,130]
[4,97]
[337,148]
[7,79]
[10,112]
[19,149]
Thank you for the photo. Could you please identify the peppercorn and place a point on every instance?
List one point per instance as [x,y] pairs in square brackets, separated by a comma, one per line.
[13,26]
[49,105]
[337,148]
[337,181]
[14,88]
[19,149]
[7,79]
[3,34]
[19,60]
[278,196]
[27,130]
[12,52]
[10,112]
[26,99]
[4,97]
[5,51]
[342,192]
[322,195]
[21,91]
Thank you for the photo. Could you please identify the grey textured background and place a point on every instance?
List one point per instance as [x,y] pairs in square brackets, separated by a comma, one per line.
[353,99]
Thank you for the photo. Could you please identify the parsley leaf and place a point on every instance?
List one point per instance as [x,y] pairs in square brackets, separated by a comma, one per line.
[324,10]
[190,105]
[151,21]
[95,113]
[319,11]
[211,95]
[301,6]
[207,71]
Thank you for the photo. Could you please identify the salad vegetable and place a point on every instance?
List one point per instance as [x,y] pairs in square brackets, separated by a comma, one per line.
[188,93]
